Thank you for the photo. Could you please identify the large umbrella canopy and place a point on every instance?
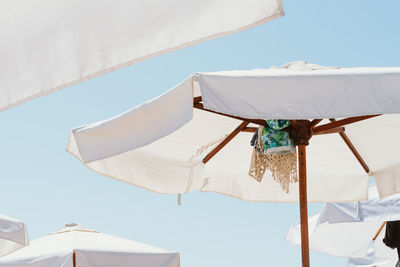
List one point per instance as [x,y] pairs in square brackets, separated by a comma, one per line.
[168,144]
[167,147]
[75,245]
[48,45]
[347,229]
[13,235]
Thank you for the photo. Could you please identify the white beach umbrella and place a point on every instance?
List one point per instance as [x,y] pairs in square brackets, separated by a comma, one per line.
[349,229]
[196,135]
[13,235]
[75,245]
[49,45]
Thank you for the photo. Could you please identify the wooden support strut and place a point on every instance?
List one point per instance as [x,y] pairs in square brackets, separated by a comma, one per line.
[225,141]
[340,123]
[353,149]
[255,121]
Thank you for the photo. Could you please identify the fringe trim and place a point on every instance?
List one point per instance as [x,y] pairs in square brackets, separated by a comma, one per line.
[283,166]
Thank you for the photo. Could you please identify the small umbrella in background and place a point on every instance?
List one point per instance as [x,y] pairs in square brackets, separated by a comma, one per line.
[196,136]
[13,235]
[75,245]
[50,45]
[349,229]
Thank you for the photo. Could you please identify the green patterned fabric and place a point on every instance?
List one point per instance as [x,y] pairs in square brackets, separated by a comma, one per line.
[278,124]
[275,140]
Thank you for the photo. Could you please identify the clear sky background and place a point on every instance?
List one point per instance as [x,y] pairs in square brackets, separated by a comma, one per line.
[47,187]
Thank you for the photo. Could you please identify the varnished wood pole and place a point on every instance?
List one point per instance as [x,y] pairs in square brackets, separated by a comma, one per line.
[74,259]
[305,252]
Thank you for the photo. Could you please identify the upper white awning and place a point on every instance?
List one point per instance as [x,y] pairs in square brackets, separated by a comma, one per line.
[48,45]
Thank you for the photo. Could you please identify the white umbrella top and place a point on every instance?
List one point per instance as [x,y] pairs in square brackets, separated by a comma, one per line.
[13,235]
[300,90]
[50,45]
[167,144]
[75,245]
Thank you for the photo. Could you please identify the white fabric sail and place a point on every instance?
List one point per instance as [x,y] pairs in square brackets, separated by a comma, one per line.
[13,235]
[49,45]
[347,229]
[75,245]
[160,145]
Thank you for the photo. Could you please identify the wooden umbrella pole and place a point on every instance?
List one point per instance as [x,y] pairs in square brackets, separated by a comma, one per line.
[74,259]
[305,252]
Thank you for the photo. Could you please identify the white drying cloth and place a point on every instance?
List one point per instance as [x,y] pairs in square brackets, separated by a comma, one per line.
[347,229]
[369,261]
[13,235]
[160,145]
[49,45]
[91,249]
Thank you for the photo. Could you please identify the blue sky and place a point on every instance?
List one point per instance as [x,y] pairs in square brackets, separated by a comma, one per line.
[46,187]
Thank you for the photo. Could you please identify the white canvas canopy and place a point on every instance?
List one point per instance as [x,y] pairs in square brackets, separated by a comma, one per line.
[196,135]
[348,229]
[13,235]
[75,245]
[49,45]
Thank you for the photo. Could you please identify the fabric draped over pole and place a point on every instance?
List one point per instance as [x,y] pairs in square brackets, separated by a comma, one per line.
[348,230]
[197,135]
[50,45]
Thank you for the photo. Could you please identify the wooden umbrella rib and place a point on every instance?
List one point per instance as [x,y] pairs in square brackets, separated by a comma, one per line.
[197,99]
[340,123]
[330,131]
[353,149]
[315,122]
[224,142]
[250,129]
[255,121]
[378,232]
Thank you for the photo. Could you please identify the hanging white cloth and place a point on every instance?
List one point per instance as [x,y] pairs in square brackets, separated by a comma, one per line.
[347,229]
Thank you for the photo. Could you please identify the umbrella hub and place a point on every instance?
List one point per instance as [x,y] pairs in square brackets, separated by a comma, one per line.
[300,131]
